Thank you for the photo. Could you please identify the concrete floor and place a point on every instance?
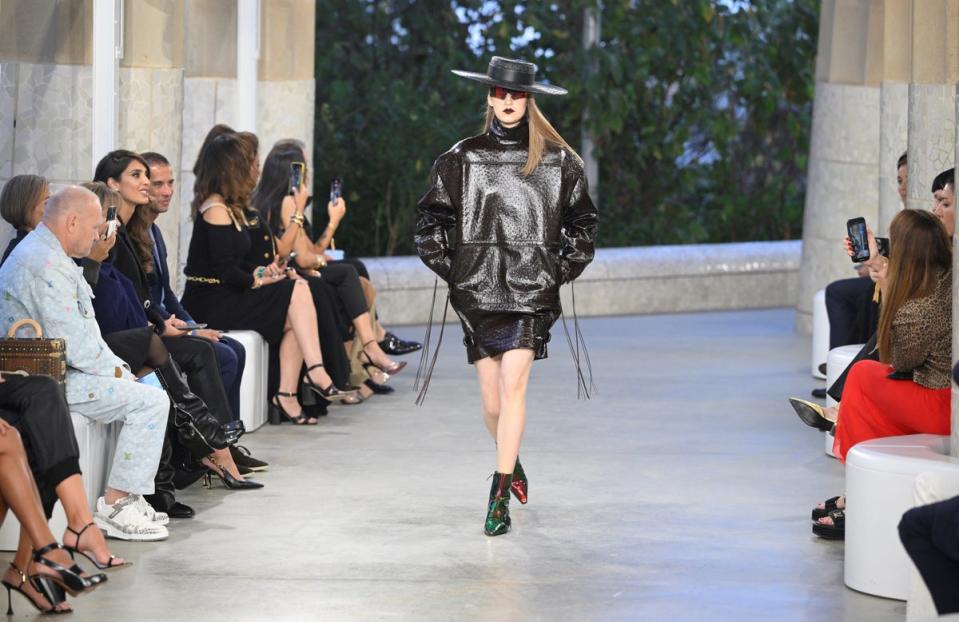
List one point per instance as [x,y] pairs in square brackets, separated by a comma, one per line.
[680,492]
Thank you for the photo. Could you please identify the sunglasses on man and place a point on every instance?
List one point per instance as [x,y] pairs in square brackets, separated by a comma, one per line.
[500,92]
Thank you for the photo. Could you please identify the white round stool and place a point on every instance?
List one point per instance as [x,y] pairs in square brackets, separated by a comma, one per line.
[880,477]
[820,333]
[836,363]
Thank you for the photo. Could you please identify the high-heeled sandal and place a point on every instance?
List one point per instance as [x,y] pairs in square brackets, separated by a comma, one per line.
[227,478]
[58,592]
[70,579]
[276,407]
[111,564]
[331,393]
[392,370]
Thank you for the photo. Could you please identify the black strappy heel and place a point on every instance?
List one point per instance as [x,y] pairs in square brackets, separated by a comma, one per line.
[392,370]
[60,596]
[330,393]
[276,407]
[70,579]
[111,564]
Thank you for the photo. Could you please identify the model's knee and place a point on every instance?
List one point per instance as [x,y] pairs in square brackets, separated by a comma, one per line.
[491,413]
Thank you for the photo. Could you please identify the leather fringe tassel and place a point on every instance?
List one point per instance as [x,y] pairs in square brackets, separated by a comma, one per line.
[582,386]
[425,370]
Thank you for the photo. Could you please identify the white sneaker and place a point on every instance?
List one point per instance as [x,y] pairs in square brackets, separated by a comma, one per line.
[160,518]
[124,520]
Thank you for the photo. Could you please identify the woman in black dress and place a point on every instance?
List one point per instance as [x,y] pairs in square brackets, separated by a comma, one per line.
[282,208]
[517,196]
[270,300]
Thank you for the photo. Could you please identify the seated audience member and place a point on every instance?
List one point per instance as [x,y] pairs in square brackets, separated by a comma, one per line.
[284,215]
[123,323]
[819,416]
[34,406]
[908,390]
[128,174]
[930,535]
[270,300]
[230,354]
[51,571]
[944,205]
[39,280]
[21,205]
[853,314]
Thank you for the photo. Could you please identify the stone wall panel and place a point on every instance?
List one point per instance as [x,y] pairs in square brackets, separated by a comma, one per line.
[285,110]
[8,108]
[893,140]
[932,138]
[54,122]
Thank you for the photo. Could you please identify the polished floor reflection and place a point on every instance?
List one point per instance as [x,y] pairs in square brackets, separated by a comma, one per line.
[680,492]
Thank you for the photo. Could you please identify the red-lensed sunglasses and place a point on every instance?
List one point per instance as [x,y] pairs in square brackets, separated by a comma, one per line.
[500,93]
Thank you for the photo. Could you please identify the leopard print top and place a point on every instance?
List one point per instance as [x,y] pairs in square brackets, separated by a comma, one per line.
[922,336]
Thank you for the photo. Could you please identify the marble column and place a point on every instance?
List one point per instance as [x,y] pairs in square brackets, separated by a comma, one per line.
[896,70]
[843,168]
[932,138]
[893,141]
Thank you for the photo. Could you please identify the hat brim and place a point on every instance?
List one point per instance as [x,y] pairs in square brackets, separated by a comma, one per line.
[537,87]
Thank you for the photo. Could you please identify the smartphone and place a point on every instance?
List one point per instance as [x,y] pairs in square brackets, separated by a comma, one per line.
[336,189]
[297,173]
[856,229]
[335,254]
[883,245]
[111,222]
[187,327]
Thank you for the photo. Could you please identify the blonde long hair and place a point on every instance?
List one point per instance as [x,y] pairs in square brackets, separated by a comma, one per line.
[541,131]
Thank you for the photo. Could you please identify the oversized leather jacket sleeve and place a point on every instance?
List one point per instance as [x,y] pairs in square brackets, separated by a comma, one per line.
[578,223]
[436,215]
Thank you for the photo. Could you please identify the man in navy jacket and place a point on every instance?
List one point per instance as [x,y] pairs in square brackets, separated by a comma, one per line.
[230,355]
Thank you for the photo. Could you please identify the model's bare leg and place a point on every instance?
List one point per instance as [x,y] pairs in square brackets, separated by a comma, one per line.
[488,373]
[515,366]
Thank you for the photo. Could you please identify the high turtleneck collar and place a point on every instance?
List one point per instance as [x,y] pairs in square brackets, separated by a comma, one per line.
[516,134]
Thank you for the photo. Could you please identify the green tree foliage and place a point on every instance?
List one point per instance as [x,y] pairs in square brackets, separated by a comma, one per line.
[700,109]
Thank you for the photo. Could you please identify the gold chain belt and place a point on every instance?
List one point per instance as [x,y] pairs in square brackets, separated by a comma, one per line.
[204,279]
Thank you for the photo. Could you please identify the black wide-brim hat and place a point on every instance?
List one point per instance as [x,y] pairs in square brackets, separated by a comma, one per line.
[513,74]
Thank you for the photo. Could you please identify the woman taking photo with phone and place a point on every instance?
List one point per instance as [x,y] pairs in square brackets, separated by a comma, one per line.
[280,199]
[524,226]
[269,299]
[908,390]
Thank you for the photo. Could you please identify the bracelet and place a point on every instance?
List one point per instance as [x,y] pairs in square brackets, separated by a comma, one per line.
[320,262]
[297,218]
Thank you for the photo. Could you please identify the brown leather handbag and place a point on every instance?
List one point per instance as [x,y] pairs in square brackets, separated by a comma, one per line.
[33,356]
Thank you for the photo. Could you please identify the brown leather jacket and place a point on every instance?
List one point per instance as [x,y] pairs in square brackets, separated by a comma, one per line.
[517,238]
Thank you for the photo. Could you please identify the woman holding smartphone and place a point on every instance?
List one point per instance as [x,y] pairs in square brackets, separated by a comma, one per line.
[517,197]
[281,203]
[908,391]
[270,300]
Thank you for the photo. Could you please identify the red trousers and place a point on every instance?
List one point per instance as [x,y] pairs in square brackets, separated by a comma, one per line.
[874,406]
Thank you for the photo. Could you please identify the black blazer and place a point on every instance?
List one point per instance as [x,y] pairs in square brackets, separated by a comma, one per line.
[125,259]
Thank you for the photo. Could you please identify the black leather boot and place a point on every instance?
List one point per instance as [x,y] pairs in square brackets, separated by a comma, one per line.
[197,429]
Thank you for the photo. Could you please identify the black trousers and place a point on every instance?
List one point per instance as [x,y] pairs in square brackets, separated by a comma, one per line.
[36,407]
[930,534]
[197,358]
[853,316]
[346,283]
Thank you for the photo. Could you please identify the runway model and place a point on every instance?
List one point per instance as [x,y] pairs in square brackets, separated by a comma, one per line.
[517,196]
